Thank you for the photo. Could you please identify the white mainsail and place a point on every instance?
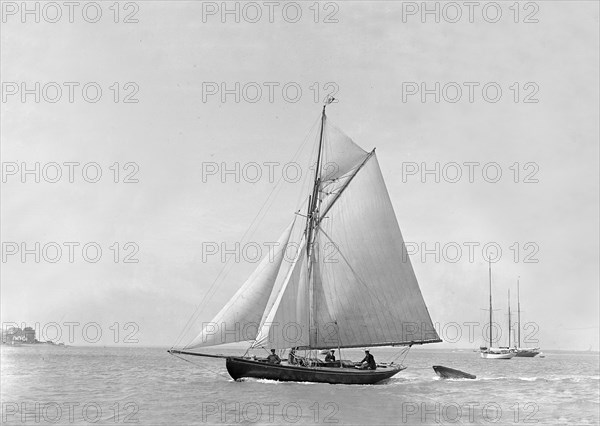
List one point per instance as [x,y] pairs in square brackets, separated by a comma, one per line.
[351,282]
[371,289]
[240,318]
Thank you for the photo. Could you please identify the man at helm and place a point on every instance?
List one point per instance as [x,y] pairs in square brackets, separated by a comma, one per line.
[273,358]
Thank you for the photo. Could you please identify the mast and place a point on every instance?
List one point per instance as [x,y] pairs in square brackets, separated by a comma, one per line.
[314,198]
[518,315]
[490,273]
[509,318]
[312,223]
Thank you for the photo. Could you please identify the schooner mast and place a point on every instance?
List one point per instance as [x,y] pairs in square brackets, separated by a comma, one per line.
[490,273]
[518,315]
[522,352]
[501,353]
[509,325]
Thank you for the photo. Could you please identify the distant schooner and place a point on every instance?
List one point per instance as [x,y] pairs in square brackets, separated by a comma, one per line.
[522,352]
[367,296]
[490,352]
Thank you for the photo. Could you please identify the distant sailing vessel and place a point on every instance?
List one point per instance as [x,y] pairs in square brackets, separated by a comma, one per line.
[363,293]
[490,352]
[508,347]
[522,352]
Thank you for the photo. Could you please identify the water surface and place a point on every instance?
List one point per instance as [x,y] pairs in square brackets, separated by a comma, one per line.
[84,385]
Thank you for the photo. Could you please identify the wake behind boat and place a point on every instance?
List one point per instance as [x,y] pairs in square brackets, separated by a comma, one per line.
[364,293]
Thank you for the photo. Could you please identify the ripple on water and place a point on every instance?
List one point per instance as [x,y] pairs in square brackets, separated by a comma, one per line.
[169,391]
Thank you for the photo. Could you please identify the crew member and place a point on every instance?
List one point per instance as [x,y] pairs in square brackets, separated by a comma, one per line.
[330,357]
[368,362]
[273,358]
[292,359]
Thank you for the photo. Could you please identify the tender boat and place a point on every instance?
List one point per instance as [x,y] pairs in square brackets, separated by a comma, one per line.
[451,373]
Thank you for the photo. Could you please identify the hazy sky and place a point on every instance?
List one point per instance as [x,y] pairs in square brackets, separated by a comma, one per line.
[375,57]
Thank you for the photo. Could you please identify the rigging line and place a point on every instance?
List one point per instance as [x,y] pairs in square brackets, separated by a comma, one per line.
[266,205]
[343,188]
[280,249]
[222,272]
[302,194]
[329,296]
[201,366]
[330,186]
[348,263]
[372,294]
[404,352]
[280,291]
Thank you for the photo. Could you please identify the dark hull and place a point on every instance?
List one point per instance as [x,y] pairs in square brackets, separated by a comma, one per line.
[240,367]
[526,354]
[451,373]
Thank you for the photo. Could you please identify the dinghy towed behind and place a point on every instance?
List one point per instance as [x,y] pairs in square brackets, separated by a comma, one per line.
[451,373]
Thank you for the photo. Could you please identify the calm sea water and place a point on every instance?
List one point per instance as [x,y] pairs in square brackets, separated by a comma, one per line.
[84,385]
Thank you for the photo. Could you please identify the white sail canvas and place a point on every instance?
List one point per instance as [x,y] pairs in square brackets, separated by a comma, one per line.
[350,284]
[239,319]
